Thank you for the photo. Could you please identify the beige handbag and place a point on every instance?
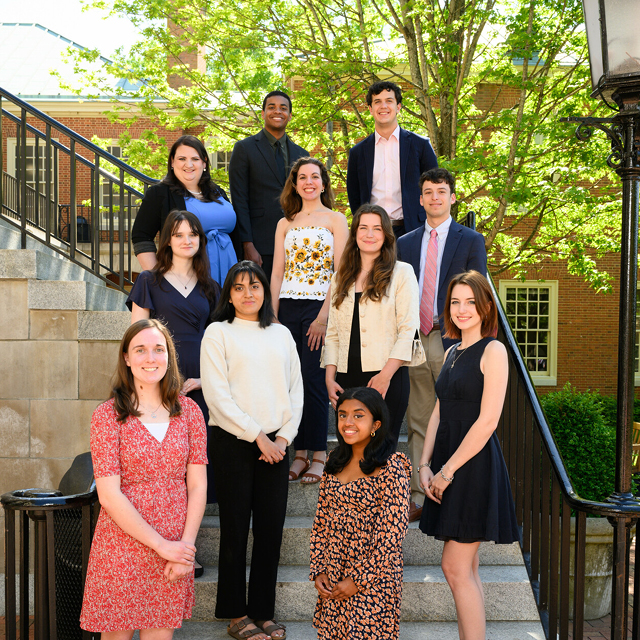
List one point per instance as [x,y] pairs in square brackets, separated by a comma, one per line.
[417,352]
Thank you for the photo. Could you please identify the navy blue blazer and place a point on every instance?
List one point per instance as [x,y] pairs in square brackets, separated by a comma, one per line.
[256,186]
[416,157]
[463,251]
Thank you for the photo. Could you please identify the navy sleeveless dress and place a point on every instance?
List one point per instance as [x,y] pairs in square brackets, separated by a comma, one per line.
[478,505]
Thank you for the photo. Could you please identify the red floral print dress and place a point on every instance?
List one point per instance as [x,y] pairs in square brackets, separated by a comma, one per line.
[125,586]
[358,532]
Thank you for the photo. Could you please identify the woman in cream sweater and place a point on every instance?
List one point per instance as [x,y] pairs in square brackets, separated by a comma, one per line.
[251,381]
[374,315]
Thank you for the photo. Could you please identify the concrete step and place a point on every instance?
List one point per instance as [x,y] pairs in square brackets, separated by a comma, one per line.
[425,594]
[75,294]
[529,630]
[418,549]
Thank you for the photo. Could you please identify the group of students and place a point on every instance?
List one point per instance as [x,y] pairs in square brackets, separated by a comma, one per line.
[223,368]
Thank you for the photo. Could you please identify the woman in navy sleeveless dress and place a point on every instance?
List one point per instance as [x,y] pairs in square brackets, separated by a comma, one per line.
[180,292]
[476,505]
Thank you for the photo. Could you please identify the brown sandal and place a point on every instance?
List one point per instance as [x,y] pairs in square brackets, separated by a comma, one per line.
[293,475]
[312,478]
[269,629]
[240,632]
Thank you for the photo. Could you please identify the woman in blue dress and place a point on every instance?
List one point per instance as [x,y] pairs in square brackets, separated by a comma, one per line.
[188,185]
[180,292]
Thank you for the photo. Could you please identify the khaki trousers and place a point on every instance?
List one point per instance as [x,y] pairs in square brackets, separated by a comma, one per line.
[422,401]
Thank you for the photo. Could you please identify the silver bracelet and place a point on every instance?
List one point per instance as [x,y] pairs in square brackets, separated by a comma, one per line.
[445,477]
[426,464]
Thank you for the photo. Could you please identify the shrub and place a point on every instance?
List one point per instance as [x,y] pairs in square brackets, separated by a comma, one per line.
[587,442]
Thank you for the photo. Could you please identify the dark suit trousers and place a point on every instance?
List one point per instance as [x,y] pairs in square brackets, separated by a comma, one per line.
[247,486]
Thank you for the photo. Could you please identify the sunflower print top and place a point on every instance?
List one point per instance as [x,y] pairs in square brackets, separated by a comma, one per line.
[308,263]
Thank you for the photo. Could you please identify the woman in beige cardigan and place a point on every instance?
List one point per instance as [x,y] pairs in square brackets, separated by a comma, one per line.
[374,315]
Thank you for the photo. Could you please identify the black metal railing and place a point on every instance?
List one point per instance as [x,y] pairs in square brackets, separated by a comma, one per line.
[552,516]
[54,164]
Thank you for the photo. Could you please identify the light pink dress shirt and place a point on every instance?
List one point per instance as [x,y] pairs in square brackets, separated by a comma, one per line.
[386,191]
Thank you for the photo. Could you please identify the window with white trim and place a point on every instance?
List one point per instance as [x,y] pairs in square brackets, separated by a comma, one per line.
[532,310]
[220,159]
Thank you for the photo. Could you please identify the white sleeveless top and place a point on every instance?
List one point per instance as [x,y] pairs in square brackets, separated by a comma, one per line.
[308,263]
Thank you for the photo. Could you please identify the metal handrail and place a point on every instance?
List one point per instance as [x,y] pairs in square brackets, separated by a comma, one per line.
[545,501]
[42,218]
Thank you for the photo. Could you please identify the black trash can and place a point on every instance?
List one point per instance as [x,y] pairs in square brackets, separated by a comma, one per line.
[63,521]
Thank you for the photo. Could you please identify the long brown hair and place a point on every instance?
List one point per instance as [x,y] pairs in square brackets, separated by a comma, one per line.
[123,389]
[377,282]
[485,304]
[291,202]
[200,261]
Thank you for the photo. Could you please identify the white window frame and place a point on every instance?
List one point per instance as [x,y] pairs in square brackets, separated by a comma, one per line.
[213,159]
[550,378]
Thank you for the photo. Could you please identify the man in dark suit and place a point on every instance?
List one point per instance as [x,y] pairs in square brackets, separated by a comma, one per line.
[439,250]
[258,169]
[385,167]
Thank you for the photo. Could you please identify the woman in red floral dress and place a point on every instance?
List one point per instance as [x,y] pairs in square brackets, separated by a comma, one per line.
[360,523]
[148,445]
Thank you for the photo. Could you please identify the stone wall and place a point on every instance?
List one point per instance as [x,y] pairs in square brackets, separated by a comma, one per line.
[55,369]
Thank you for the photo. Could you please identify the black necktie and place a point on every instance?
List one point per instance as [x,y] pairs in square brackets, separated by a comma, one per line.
[280,161]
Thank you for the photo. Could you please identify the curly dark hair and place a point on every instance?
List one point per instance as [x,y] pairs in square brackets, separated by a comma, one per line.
[291,202]
[377,452]
[211,192]
[384,85]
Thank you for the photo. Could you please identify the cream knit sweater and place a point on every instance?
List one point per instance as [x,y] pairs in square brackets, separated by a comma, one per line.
[251,379]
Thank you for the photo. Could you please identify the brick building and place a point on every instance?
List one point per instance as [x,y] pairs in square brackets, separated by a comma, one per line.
[566,331]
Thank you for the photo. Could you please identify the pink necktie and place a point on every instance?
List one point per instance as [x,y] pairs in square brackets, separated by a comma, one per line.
[429,284]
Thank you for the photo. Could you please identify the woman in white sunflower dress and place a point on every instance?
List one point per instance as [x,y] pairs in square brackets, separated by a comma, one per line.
[308,245]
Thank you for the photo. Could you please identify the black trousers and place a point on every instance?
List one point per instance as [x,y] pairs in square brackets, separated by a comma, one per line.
[297,316]
[397,397]
[247,486]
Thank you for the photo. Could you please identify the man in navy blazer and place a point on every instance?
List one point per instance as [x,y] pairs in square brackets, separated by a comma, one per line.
[385,167]
[258,169]
[459,249]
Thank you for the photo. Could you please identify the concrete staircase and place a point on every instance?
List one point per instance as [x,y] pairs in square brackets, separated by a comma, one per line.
[428,609]
[45,281]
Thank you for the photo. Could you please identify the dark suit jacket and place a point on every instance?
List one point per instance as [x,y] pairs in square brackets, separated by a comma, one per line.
[416,157]
[464,250]
[255,189]
[158,202]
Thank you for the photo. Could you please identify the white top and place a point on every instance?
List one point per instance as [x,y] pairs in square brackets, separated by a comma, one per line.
[157,429]
[251,379]
[386,189]
[308,263]
[442,232]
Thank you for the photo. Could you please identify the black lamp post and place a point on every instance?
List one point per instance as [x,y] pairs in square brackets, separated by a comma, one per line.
[614,54]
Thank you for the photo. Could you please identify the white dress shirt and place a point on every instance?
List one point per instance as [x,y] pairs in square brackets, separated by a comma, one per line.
[442,232]
[386,189]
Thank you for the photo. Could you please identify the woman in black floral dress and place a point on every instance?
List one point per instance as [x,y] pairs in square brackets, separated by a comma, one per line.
[360,523]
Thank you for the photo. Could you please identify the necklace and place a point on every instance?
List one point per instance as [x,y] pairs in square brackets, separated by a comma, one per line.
[195,193]
[453,364]
[186,286]
[154,412]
